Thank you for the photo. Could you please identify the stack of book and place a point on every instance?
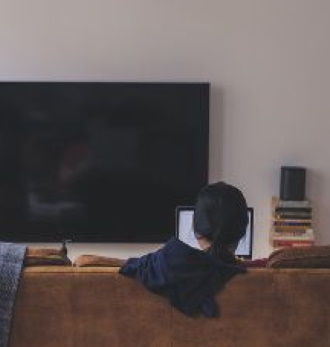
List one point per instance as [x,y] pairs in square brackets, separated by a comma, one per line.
[291,223]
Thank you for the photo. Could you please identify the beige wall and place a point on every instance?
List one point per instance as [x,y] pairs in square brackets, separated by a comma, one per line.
[267,60]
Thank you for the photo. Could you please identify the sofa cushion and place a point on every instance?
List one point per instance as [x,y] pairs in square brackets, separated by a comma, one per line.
[300,257]
[36,256]
[97,260]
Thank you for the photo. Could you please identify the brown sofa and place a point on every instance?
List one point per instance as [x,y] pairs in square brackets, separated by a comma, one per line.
[87,307]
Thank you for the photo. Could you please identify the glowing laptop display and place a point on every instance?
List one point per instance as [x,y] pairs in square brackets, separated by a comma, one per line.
[185,232]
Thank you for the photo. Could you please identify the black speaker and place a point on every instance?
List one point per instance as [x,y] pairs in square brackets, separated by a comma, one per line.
[292,185]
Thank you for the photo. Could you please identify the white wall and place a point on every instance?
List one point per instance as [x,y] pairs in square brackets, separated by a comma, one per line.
[267,60]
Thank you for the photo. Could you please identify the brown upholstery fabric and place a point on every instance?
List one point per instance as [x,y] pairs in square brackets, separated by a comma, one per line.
[300,257]
[85,307]
[46,256]
[95,260]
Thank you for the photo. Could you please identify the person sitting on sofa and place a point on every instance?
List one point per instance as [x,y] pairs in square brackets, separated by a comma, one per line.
[191,277]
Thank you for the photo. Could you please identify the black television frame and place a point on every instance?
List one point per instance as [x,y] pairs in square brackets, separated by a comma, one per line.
[57,236]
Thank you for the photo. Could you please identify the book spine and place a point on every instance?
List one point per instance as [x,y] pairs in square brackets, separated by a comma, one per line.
[295,204]
[293,210]
[291,228]
[305,237]
[289,233]
[292,243]
[292,223]
[276,202]
[293,215]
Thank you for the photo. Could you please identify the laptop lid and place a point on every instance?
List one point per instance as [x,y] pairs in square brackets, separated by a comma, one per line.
[185,231]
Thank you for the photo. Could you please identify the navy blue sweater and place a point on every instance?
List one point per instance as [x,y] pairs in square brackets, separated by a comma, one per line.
[188,277]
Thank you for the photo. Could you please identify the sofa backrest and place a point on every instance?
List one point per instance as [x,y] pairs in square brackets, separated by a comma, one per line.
[85,307]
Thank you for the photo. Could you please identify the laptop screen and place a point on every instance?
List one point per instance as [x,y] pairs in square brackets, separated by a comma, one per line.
[185,231]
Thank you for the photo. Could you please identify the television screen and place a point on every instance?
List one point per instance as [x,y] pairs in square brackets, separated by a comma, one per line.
[99,161]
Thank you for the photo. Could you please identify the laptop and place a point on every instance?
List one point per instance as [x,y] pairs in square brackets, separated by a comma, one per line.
[185,232]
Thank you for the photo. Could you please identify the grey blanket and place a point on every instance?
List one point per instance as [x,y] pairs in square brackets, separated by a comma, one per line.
[11,263]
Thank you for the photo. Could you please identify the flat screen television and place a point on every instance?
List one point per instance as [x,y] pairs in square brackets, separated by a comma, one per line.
[99,161]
